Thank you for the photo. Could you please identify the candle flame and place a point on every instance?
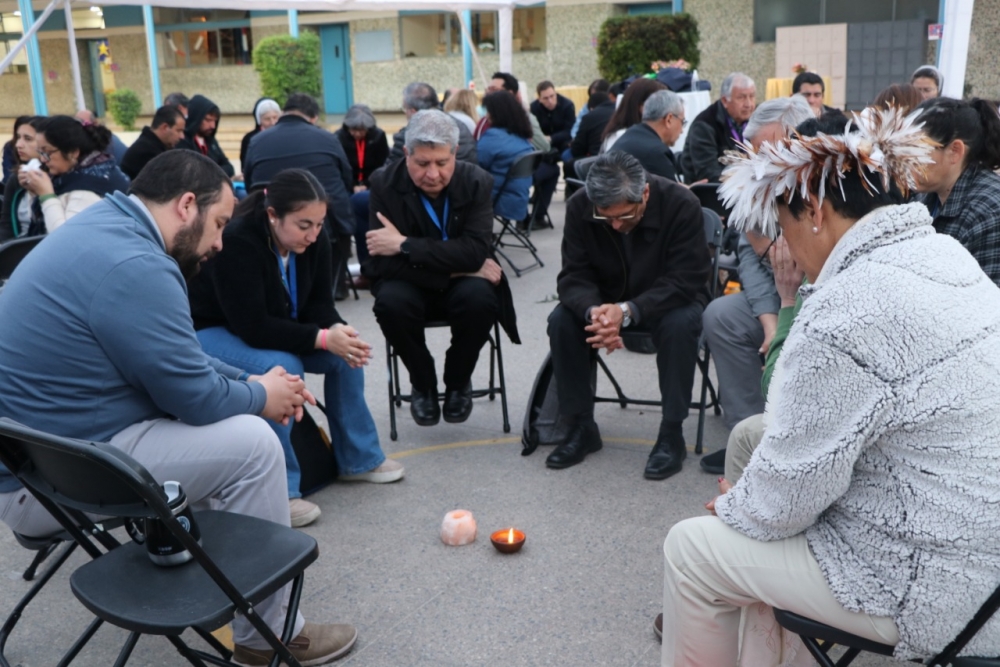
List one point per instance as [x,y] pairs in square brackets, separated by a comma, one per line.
[510,536]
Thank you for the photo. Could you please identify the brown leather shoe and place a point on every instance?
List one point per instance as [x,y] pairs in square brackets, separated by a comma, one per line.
[658,626]
[316,645]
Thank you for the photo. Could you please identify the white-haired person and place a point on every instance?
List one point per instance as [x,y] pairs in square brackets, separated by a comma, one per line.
[718,129]
[739,327]
[869,503]
[266,113]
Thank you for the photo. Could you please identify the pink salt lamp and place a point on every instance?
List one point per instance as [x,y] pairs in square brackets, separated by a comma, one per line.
[458,528]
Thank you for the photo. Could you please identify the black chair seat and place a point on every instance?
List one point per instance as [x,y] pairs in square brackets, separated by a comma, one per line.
[806,627]
[127,589]
[976,662]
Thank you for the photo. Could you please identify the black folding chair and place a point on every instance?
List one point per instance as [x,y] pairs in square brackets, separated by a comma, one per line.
[523,167]
[12,252]
[819,638]
[240,561]
[708,195]
[709,397]
[396,396]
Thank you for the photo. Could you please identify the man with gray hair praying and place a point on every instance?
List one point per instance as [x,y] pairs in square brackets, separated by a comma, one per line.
[650,141]
[718,129]
[634,259]
[431,220]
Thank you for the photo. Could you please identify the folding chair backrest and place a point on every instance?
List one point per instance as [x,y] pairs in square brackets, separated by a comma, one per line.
[713,237]
[90,477]
[708,195]
[582,166]
[12,252]
[523,167]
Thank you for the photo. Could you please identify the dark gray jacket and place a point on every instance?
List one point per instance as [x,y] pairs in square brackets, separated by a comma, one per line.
[710,136]
[466,144]
[642,142]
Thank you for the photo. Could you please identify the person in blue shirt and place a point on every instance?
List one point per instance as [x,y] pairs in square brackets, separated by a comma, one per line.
[507,139]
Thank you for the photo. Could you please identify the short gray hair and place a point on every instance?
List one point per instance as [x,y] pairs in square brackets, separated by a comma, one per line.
[359,117]
[661,104]
[419,96]
[615,178]
[735,80]
[789,111]
[431,127]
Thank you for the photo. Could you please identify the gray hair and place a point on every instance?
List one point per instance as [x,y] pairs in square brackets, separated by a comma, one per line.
[431,127]
[929,72]
[419,96]
[661,104]
[264,106]
[615,178]
[735,80]
[359,117]
[789,111]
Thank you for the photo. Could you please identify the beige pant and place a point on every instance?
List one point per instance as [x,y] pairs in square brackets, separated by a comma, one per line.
[713,573]
[235,465]
[743,439]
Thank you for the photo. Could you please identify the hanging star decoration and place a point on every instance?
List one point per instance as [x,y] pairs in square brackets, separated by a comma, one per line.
[887,146]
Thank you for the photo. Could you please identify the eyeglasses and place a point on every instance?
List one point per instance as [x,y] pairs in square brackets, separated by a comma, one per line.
[43,155]
[619,218]
[765,258]
[683,121]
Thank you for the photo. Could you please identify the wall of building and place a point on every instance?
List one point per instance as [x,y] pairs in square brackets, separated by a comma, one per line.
[982,77]
[726,30]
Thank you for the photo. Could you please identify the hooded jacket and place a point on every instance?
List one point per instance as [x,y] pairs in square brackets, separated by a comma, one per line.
[200,107]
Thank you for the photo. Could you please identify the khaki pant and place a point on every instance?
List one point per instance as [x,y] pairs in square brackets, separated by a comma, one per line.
[743,439]
[235,465]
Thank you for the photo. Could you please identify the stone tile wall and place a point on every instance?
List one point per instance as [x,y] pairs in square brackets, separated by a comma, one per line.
[982,78]
[726,29]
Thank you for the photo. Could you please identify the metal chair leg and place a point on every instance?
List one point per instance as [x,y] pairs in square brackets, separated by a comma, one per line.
[503,383]
[622,399]
[81,642]
[493,352]
[39,558]
[186,651]
[392,397]
[126,652]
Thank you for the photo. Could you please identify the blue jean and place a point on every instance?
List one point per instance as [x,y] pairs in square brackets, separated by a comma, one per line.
[359,202]
[352,429]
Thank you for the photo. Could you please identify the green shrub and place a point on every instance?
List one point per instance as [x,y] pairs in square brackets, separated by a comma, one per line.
[124,106]
[628,45]
[288,65]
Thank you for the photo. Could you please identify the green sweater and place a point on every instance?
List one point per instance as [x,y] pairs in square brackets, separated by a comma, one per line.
[786,316]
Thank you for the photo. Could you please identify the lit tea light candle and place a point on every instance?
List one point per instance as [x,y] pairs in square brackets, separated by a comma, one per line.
[508,540]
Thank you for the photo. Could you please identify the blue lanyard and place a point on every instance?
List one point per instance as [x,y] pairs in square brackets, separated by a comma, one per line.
[291,285]
[434,217]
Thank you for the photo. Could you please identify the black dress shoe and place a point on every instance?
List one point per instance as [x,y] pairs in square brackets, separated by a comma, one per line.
[583,439]
[658,625]
[424,407]
[667,456]
[714,463]
[458,404]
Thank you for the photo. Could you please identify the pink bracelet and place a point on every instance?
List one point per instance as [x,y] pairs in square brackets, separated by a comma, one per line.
[322,341]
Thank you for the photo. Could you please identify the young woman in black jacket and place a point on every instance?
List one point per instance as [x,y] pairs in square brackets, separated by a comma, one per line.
[267,300]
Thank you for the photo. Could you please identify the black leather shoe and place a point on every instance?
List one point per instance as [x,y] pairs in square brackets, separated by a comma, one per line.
[458,404]
[658,626]
[667,456]
[424,407]
[583,439]
[714,463]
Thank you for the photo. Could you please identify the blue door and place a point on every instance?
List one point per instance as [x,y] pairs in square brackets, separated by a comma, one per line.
[338,93]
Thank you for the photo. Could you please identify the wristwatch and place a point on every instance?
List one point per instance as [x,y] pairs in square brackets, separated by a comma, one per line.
[404,247]
[626,314]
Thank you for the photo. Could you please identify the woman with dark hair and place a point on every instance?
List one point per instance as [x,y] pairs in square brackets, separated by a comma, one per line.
[872,491]
[960,189]
[10,158]
[266,113]
[267,300]
[76,173]
[629,112]
[903,96]
[16,215]
[928,81]
[507,139]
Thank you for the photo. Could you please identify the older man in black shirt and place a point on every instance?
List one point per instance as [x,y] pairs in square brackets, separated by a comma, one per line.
[635,258]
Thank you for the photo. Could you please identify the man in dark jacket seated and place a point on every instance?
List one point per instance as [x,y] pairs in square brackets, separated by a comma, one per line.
[717,129]
[418,96]
[556,115]
[650,141]
[431,225]
[634,258]
[199,132]
[162,134]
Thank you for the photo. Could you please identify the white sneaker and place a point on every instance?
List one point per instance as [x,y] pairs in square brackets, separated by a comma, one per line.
[303,512]
[389,471]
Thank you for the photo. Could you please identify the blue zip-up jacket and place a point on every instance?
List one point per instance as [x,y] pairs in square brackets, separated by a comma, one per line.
[498,150]
[96,335]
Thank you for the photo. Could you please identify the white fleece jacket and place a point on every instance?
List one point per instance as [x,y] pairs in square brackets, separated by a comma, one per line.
[884,440]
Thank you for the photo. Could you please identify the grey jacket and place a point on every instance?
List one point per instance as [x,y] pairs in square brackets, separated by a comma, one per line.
[757,279]
[883,445]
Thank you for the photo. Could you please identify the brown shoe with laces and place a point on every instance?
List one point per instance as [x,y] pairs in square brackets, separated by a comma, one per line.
[316,645]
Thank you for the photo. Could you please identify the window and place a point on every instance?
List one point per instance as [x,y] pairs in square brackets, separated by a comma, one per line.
[769,15]
[10,32]
[650,8]
[433,34]
[200,38]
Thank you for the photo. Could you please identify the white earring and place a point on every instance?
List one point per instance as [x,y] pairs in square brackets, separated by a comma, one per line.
[815,229]
[274,222]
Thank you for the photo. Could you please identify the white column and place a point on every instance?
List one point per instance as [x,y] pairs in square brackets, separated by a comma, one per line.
[954,46]
[74,58]
[505,41]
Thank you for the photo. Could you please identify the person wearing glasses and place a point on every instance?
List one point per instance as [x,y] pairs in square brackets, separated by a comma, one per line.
[76,172]
[650,141]
[634,258]
[739,327]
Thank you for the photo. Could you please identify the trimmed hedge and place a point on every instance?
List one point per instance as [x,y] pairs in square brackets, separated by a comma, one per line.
[628,45]
[124,106]
[289,65]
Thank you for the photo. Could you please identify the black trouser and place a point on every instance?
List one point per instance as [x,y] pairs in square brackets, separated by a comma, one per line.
[469,305]
[546,179]
[676,339]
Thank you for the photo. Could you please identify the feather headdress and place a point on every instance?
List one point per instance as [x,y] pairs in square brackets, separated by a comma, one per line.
[888,146]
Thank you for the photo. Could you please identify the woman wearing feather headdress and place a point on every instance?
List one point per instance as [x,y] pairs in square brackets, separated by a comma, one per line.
[872,492]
